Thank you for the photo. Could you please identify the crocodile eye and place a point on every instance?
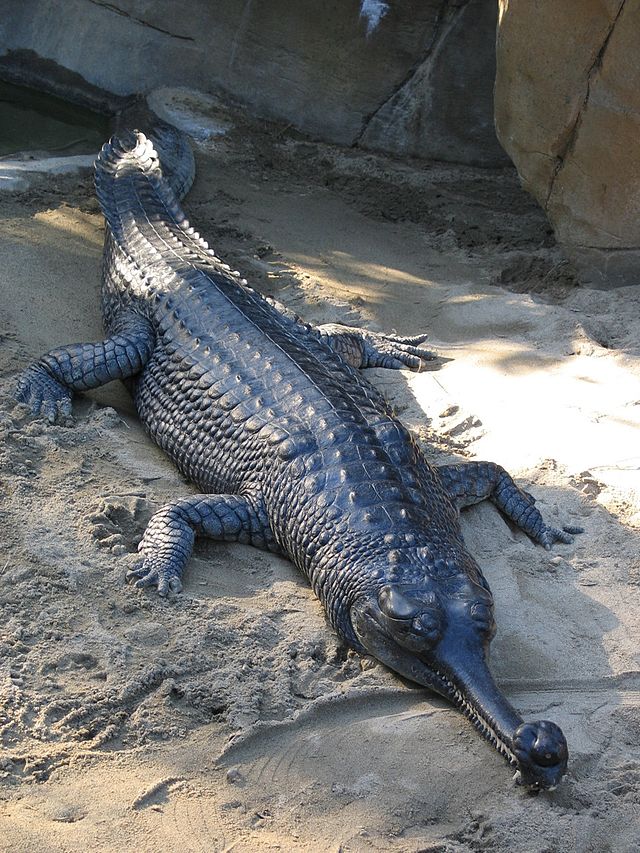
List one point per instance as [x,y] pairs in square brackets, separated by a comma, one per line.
[395,605]
[413,622]
[427,625]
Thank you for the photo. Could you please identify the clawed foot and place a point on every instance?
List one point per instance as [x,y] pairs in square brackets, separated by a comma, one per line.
[392,351]
[43,394]
[153,571]
[519,507]
[550,535]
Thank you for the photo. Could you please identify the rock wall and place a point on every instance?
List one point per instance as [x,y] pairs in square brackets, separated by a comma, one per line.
[410,77]
[567,103]
[444,110]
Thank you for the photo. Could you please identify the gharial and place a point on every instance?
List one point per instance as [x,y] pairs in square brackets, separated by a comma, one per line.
[292,449]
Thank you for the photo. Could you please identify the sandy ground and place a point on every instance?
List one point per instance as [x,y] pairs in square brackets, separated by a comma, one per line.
[231,718]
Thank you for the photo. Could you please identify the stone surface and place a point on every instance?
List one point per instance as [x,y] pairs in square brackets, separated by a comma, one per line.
[444,111]
[15,173]
[568,113]
[603,268]
[201,116]
[413,77]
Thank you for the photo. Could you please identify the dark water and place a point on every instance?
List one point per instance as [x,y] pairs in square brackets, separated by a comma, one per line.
[33,121]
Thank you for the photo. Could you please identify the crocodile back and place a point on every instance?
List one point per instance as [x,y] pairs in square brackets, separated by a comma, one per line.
[246,400]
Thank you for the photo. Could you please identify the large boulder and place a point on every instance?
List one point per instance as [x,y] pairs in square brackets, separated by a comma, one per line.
[409,77]
[567,102]
[444,109]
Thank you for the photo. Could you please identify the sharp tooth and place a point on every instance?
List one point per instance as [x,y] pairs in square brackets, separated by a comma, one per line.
[517,776]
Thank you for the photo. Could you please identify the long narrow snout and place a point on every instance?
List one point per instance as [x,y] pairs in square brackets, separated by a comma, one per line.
[537,750]
[454,665]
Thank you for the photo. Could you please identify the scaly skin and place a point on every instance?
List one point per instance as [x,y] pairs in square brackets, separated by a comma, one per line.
[293,451]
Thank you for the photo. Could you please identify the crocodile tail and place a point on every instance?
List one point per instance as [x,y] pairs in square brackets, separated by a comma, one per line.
[176,157]
[129,180]
[129,152]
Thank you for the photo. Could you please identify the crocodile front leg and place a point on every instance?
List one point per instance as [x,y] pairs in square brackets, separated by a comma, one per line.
[168,540]
[47,385]
[470,482]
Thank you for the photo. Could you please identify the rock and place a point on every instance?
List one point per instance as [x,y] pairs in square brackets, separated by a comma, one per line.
[199,115]
[567,105]
[67,813]
[444,111]
[15,172]
[412,78]
[234,776]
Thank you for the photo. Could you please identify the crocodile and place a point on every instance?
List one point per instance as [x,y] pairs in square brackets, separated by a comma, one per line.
[293,450]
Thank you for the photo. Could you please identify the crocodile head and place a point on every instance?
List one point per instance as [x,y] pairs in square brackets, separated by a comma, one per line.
[437,634]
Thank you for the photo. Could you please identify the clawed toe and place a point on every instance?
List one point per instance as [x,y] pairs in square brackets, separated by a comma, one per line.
[138,572]
[44,396]
[143,576]
[551,535]
[166,585]
[166,579]
[410,340]
[403,355]
[403,346]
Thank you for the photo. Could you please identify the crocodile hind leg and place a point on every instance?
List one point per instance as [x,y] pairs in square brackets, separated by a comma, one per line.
[361,348]
[47,385]
[168,540]
[471,482]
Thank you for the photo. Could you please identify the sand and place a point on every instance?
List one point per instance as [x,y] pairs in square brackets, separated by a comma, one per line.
[231,717]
